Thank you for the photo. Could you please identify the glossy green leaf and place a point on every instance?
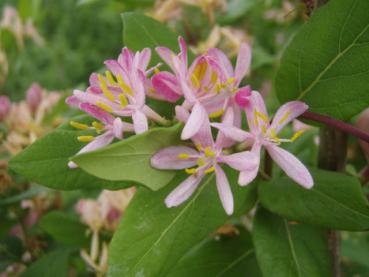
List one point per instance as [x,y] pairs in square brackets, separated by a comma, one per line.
[336,201]
[227,256]
[46,162]
[129,159]
[152,238]
[327,63]
[64,228]
[288,249]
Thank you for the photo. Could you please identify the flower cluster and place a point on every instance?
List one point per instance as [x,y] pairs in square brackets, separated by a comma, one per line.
[208,93]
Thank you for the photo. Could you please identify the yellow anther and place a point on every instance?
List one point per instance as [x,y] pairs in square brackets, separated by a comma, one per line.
[256,121]
[216,114]
[156,70]
[218,88]
[230,80]
[273,135]
[98,126]
[195,81]
[263,129]
[110,77]
[263,117]
[86,138]
[78,125]
[126,88]
[190,170]
[200,162]
[107,93]
[101,80]
[208,152]
[214,77]
[183,156]
[200,70]
[297,135]
[210,170]
[123,100]
[104,106]
[198,146]
[284,118]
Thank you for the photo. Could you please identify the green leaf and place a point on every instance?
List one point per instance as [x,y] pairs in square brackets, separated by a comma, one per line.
[152,238]
[225,256]
[336,201]
[326,64]
[46,162]
[53,264]
[285,249]
[129,159]
[64,228]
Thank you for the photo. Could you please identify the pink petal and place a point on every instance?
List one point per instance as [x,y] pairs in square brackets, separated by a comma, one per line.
[144,59]
[182,114]
[96,112]
[194,122]
[224,190]
[183,191]
[183,48]
[118,128]
[246,177]
[166,54]
[222,60]
[73,101]
[166,84]
[243,62]
[287,113]
[115,68]
[243,96]
[167,158]
[139,122]
[257,104]
[204,136]
[233,132]
[242,161]
[291,166]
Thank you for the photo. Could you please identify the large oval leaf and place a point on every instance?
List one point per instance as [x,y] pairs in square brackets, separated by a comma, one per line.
[285,249]
[327,63]
[129,159]
[336,201]
[46,162]
[152,238]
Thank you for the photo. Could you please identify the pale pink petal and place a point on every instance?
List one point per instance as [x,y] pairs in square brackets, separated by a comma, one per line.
[242,161]
[166,84]
[228,118]
[168,158]
[183,191]
[224,190]
[204,136]
[233,132]
[115,68]
[166,54]
[246,177]
[291,166]
[139,122]
[118,128]
[256,112]
[222,60]
[144,59]
[182,114]
[183,48]
[73,101]
[243,62]
[96,112]
[194,122]
[286,113]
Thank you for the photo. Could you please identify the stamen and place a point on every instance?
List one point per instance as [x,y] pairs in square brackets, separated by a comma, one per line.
[297,135]
[104,106]
[105,89]
[230,80]
[201,162]
[183,156]
[98,126]
[126,88]
[123,100]
[256,121]
[214,77]
[218,88]
[263,117]
[263,129]
[195,81]
[78,125]
[284,118]
[210,170]
[190,170]
[156,70]
[274,136]
[86,138]
[110,77]
[200,70]
[198,146]
[208,152]
[216,114]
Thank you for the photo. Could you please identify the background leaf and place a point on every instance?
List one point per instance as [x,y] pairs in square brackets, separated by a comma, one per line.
[336,201]
[287,249]
[129,159]
[152,238]
[327,63]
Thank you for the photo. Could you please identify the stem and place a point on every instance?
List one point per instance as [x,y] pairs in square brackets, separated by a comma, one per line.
[340,125]
[332,156]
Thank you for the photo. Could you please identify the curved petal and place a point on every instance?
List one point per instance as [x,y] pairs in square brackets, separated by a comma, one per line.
[291,166]
[222,60]
[168,158]
[194,122]
[233,132]
[224,190]
[166,54]
[243,62]
[246,177]
[228,118]
[242,161]
[286,113]
[96,112]
[166,84]
[204,136]
[139,122]
[183,48]
[183,191]
[144,59]
[182,114]
[118,128]
[256,113]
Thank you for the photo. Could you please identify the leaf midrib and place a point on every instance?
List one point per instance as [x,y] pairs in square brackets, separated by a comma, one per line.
[235,262]
[292,248]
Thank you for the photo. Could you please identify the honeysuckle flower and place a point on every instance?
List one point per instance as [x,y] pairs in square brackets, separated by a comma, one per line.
[264,133]
[122,90]
[4,106]
[205,158]
[108,129]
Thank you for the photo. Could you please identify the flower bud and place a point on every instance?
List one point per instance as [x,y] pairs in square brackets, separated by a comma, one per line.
[4,107]
[242,96]
[34,96]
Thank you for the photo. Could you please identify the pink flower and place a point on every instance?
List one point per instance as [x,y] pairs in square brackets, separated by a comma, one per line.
[122,91]
[34,96]
[263,133]
[110,129]
[5,106]
[202,160]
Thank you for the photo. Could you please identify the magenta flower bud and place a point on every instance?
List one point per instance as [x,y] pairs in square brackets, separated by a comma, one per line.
[4,107]
[34,96]
[243,96]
